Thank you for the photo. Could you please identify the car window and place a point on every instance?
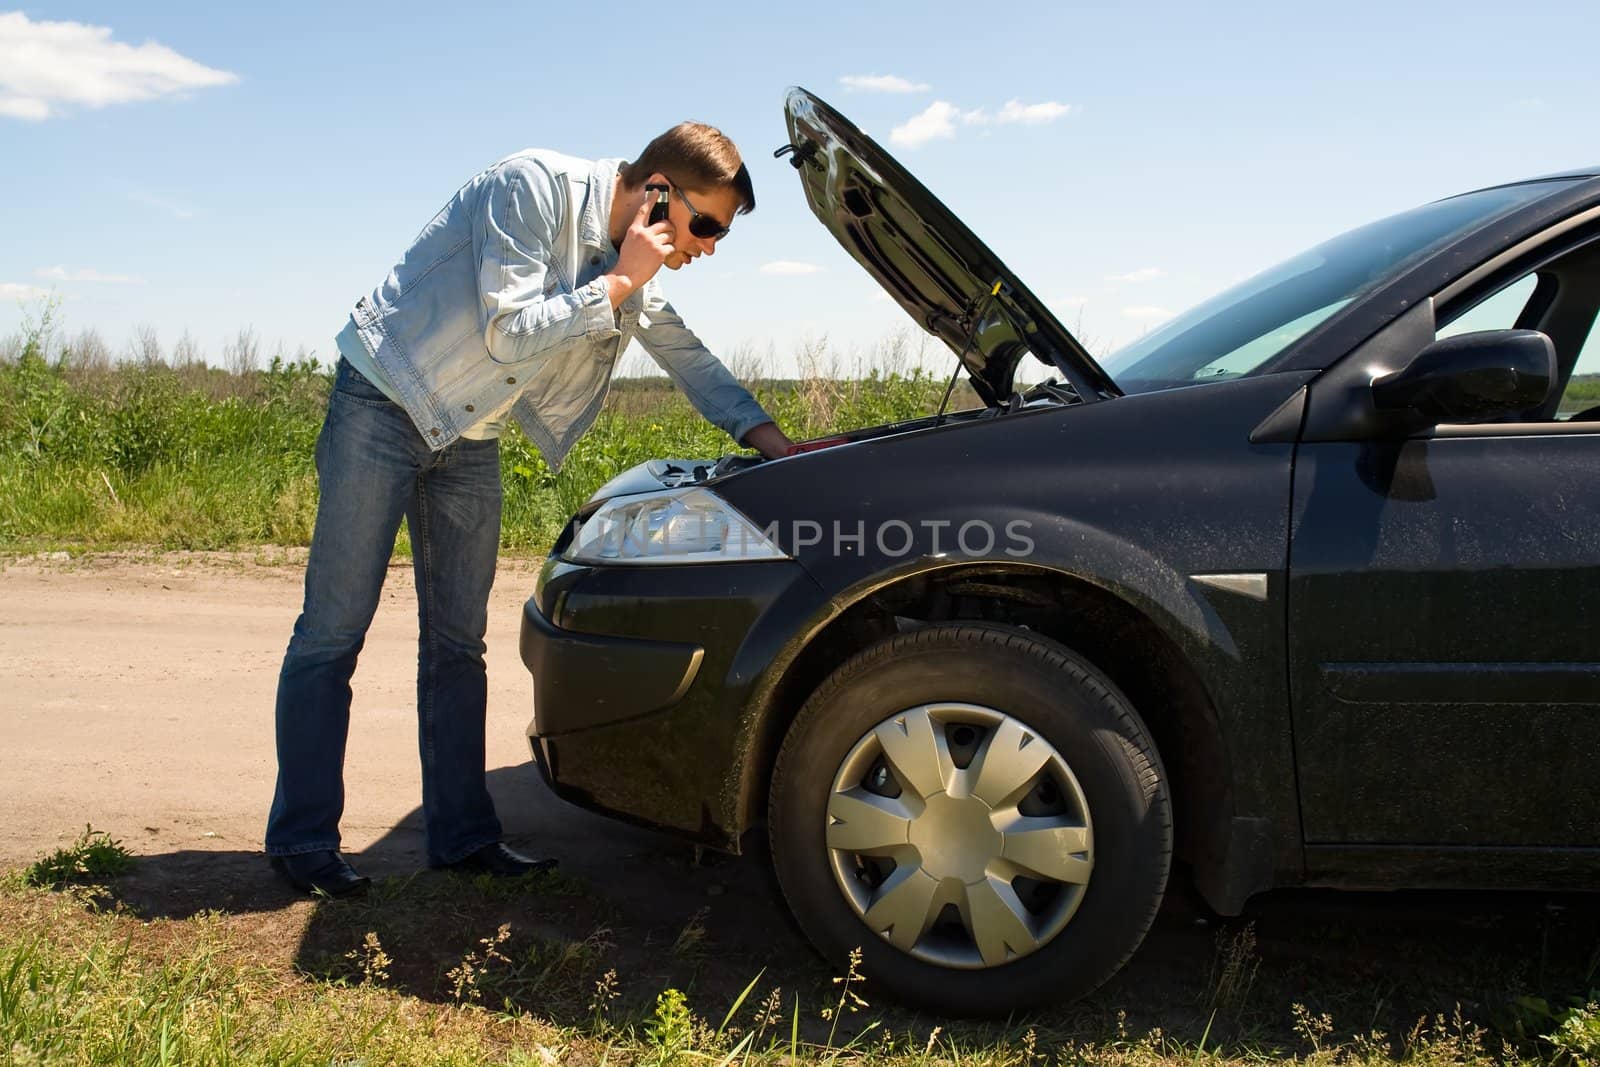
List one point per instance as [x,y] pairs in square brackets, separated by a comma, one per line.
[1583,388]
[1256,351]
[1239,330]
[1501,311]
[1497,312]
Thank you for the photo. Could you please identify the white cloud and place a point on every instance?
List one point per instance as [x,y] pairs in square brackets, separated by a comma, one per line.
[936,121]
[16,291]
[1145,311]
[939,119]
[1143,274]
[882,83]
[789,267]
[48,66]
[1032,114]
[83,274]
[1016,111]
[17,107]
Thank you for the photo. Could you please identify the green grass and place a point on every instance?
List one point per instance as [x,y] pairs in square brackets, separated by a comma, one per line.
[87,979]
[78,987]
[196,458]
[95,858]
[1583,391]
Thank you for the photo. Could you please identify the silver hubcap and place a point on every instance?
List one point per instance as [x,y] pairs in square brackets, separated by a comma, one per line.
[959,835]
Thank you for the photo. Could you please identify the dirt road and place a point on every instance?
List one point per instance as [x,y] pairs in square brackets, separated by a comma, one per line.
[138,697]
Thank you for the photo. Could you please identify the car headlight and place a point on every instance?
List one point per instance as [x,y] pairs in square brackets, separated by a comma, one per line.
[677,526]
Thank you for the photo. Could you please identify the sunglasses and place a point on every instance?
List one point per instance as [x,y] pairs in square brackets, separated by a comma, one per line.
[706,227]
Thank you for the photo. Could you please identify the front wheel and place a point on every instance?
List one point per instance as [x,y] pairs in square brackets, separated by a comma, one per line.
[978,810]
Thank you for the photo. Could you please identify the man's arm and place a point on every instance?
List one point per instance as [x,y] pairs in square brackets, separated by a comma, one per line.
[768,440]
[709,385]
[521,213]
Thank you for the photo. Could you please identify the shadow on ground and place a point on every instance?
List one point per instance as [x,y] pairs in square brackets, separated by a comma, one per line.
[656,915]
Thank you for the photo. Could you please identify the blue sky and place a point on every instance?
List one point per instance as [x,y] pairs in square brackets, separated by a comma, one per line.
[203,167]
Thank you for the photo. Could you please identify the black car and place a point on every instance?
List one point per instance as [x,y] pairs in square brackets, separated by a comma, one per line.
[1302,589]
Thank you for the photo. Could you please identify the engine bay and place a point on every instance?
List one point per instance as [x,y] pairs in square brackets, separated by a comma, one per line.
[673,473]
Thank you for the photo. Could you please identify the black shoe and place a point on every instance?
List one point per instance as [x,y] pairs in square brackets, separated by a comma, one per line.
[500,861]
[321,872]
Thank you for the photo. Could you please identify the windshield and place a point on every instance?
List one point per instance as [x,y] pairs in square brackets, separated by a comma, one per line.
[1238,330]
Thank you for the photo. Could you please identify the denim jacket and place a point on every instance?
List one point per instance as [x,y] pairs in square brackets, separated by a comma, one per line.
[501,295]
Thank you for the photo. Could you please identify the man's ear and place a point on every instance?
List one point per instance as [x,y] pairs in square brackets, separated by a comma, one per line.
[657,179]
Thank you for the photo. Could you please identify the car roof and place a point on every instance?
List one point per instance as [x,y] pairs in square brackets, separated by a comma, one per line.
[1565,175]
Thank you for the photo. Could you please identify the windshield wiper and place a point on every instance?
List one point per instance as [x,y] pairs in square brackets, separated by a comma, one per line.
[1061,391]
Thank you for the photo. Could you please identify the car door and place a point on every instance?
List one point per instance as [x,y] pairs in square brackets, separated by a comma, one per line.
[1444,612]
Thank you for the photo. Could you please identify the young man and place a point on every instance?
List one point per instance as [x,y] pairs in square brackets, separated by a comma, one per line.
[515,301]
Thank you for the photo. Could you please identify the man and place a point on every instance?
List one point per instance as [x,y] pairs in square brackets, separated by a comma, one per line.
[515,301]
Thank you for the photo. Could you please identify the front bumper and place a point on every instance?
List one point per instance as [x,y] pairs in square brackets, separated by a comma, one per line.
[642,681]
[581,680]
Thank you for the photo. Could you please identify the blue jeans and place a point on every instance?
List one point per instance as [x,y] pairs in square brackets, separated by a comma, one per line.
[374,468]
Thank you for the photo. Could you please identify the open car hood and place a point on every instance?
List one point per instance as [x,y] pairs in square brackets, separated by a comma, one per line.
[926,259]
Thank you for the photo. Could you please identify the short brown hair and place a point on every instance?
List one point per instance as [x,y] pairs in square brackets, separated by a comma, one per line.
[696,156]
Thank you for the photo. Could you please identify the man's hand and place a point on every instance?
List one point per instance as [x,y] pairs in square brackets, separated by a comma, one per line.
[644,249]
[768,440]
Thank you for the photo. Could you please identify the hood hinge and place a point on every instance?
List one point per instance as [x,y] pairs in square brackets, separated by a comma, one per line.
[800,154]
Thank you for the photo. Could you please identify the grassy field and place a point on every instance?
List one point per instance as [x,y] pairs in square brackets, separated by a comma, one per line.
[99,968]
[197,457]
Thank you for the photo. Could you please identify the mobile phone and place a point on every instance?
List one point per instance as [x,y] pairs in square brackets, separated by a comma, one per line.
[658,210]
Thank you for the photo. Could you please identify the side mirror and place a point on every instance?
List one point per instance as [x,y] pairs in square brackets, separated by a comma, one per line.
[1472,377]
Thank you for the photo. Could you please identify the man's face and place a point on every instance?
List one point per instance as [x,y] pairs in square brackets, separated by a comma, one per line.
[720,203]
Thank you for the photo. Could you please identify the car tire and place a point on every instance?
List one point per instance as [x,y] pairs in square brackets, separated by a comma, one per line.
[1009,686]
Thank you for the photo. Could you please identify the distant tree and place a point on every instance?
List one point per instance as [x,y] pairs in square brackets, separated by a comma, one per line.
[187,352]
[87,352]
[145,348]
[38,329]
[241,355]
